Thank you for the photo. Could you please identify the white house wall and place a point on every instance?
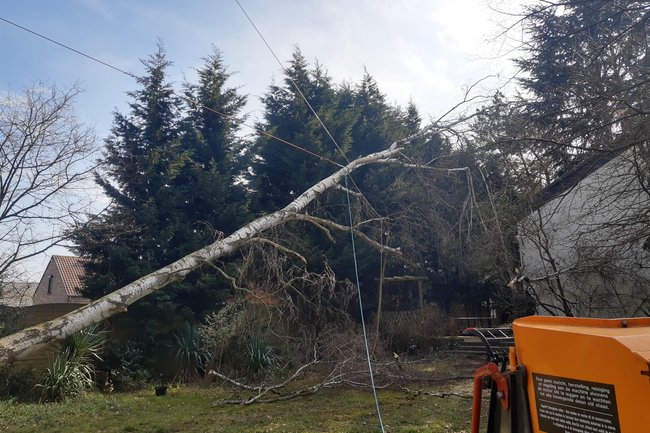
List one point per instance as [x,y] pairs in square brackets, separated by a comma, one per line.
[574,247]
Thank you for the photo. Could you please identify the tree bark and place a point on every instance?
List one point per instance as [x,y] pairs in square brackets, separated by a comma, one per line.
[20,344]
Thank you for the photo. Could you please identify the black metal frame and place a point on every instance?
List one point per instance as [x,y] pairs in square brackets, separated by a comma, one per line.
[496,342]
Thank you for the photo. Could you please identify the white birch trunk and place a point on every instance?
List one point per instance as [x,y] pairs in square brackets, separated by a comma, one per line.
[21,343]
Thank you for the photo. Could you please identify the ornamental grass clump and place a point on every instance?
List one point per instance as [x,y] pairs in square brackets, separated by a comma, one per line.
[72,371]
[191,355]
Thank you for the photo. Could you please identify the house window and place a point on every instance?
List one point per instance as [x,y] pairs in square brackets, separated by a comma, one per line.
[49,284]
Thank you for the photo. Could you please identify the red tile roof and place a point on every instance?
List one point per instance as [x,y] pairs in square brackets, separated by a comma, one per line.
[71,270]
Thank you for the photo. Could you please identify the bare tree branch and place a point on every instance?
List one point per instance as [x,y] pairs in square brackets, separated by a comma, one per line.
[321,222]
[46,157]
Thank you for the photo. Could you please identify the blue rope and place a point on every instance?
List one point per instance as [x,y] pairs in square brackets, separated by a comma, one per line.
[363,321]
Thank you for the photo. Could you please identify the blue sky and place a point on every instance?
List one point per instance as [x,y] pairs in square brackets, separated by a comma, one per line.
[426,50]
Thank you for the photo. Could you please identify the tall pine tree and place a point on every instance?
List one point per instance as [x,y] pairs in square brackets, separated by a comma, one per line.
[171,172]
[283,172]
[362,122]
[586,71]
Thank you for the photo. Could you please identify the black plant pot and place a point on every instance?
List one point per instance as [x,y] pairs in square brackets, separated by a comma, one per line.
[161,390]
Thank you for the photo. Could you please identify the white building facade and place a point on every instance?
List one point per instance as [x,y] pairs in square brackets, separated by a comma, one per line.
[585,247]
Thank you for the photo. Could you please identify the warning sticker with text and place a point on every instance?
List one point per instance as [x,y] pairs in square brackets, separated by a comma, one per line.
[575,406]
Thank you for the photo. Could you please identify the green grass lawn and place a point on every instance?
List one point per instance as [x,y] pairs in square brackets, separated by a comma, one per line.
[193,409]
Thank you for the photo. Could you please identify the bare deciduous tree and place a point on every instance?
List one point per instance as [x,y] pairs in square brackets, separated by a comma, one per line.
[46,156]
[583,68]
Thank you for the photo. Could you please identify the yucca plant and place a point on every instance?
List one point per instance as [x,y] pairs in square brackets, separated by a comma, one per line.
[191,355]
[72,371]
[86,345]
[65,379]
[261,356]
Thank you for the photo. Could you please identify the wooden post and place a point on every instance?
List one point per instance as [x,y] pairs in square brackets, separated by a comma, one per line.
[380,294]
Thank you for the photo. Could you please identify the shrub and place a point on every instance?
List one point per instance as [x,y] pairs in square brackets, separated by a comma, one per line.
[85,346]
[18,385]
[222,327]
[240,340]
[72,370]
[222,332]
[413,331]
[10,320]
[191,353]
[66,378]
[123,363]
[261,356]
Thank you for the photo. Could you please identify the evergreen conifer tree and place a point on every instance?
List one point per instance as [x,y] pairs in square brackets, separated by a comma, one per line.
[171,172]
[283,172]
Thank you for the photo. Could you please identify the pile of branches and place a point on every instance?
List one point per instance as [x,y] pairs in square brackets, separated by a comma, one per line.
[341,361]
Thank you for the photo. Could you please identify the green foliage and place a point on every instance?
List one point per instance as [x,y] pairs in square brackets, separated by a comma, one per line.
[585,80]
[19,385]
[191,353]
[192,410]
[70,375]
[224,333]
[66,378]
[86,345]
[171,168]
[9,319]
[142,156]
[72,370]
[282,172]
[240,341]
[362,122]
[261,356]
[124,363]
[585,75]
[221,329]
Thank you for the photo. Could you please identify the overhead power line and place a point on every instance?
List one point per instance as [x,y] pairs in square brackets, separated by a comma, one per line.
[286,142]
[295,85]
[187,98]
[302,95]
[349,206]
[69,48]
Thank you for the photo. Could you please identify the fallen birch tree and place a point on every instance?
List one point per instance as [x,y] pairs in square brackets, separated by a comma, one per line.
[20,344]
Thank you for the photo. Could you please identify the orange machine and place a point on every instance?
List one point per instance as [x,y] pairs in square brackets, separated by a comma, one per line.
[569,375]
